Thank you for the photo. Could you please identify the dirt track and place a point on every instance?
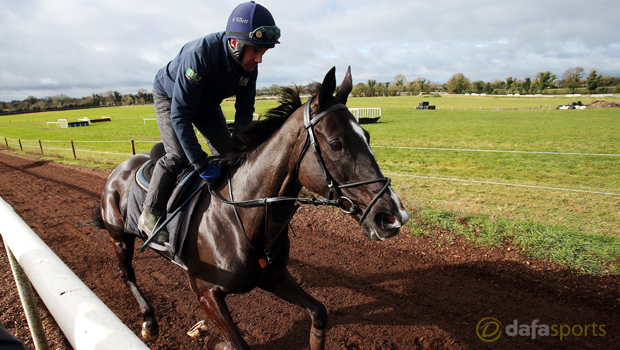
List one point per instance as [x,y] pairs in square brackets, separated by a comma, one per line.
[407,293]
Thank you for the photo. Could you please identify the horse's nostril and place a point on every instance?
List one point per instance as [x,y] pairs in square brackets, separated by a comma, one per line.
[387,221]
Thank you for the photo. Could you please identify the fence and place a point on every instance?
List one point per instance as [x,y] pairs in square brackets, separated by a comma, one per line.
[84,319]
[38,144]
[362,114]
[365,113]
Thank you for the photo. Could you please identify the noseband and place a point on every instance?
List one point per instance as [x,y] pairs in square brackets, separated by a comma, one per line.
[334,187]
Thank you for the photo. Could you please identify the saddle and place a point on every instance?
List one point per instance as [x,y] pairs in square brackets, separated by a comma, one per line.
[183,184]
[187,183]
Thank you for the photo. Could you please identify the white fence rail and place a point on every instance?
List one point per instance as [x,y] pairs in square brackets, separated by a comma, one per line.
[370,113]
[84,319]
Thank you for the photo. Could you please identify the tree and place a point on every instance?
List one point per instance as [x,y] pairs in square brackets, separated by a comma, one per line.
[593,81]
[571,78]
[274,89]
[544,80]
[400,80]
[128,99]
[509,84]
[117,98]
[498,84]
[371,87]
[359,90]
[517,86]
[423,84]
[144,96]
[62,99]
[527,85]
[478,86]
[458,83]
[398,85]
[97,99]
[488,88]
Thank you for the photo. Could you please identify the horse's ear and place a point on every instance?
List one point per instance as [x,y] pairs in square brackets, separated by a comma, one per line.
[328,87]
[345,88]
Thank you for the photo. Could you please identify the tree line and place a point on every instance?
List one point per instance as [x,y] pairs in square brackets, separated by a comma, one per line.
[106,99]
[573,80]
[62,101]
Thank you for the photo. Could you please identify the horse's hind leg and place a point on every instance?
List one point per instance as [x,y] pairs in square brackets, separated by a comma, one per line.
[124,248]
[288,289]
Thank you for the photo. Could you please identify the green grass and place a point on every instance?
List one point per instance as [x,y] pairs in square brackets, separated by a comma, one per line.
[576,229]
[584,253]
[567,131]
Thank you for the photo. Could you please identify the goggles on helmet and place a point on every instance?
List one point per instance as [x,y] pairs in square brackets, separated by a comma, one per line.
[265,33]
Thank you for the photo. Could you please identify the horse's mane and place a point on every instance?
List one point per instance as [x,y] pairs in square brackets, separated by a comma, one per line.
[249,138]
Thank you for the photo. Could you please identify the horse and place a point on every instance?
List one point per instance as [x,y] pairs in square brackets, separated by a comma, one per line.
[237,238]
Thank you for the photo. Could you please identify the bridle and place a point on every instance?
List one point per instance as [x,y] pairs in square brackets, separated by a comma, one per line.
[334,187]
[334,198]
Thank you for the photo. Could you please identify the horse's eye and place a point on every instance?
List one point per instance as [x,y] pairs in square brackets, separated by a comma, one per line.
[336,145]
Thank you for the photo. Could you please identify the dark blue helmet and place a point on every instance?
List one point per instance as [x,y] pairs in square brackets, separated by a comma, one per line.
[253,25]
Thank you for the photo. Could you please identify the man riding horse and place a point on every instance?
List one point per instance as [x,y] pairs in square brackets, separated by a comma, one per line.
[188,92]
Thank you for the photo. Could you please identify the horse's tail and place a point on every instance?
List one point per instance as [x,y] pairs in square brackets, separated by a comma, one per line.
[96,220]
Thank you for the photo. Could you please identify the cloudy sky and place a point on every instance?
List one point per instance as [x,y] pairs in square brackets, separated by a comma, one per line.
[77,47]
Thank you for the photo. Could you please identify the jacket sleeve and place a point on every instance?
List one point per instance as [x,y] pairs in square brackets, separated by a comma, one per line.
[188,90]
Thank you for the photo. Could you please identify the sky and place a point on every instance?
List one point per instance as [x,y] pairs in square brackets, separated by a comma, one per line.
[77,47]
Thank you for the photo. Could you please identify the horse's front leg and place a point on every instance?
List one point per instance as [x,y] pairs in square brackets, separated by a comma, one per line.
[213,302]
[288,289]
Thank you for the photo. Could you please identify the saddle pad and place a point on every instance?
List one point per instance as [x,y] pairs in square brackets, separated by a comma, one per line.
[177,227]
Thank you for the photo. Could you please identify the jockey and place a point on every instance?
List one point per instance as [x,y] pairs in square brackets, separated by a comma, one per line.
[188,91]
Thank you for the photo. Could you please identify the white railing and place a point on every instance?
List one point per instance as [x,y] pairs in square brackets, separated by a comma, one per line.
[369,113]
[84,319]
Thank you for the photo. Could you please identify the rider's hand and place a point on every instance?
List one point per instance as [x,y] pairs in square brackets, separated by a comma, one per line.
[211,174]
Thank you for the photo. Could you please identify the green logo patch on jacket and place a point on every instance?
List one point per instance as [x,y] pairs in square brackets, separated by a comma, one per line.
[192,76]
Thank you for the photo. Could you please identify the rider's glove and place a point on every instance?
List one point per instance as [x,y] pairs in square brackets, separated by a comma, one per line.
[209,172]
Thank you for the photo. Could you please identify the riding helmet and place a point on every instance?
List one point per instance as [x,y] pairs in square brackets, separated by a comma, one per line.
[253,25]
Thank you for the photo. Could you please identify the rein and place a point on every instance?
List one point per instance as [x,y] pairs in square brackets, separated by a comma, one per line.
[266,254]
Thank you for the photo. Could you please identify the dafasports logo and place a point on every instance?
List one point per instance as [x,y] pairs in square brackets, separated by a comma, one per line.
[489,329]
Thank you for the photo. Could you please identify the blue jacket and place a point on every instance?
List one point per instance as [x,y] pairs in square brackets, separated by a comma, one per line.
[197,80]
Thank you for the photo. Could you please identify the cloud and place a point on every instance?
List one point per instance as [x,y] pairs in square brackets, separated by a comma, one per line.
[82,47]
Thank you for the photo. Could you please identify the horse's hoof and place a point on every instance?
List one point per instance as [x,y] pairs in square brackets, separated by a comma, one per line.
[215,344]
[198,330]
[148,335]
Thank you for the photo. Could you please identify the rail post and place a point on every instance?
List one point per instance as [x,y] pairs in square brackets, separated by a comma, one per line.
[133,148]
[30,306]
[73,148]
[41,146]
[21,148]
[7,142]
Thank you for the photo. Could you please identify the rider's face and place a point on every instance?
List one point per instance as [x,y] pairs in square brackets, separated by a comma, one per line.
[252,56]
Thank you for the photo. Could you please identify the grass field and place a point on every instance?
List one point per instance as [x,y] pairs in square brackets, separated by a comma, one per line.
[475,166]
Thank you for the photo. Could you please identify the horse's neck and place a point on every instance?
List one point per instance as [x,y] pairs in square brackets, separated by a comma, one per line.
[270,171]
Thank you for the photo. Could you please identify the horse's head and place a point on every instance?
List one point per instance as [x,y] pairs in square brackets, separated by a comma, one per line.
[340,164]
